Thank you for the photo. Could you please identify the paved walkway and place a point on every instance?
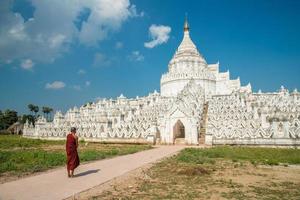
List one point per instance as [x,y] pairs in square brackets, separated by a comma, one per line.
[55,184]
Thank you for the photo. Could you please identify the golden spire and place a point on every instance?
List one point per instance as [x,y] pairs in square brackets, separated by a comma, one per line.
[186,24]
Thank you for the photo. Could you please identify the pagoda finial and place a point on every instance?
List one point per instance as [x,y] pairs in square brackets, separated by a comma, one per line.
[186,24]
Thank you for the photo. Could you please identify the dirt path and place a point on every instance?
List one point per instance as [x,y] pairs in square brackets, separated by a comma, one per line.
[127,182]
[56,185]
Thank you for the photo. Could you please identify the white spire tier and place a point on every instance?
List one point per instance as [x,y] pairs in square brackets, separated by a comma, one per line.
[186,54]
[187,44]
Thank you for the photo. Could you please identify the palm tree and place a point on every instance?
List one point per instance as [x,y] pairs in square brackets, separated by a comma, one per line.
[50,111]
[36,110]
[45,111]
[31,107]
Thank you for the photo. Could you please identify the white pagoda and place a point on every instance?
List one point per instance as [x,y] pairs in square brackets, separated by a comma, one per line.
[197,105]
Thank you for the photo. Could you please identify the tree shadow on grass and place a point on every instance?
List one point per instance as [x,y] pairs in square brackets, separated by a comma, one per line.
[87,172]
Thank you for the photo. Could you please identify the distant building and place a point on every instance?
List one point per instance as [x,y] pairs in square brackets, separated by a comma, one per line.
[15,128]
[197,104]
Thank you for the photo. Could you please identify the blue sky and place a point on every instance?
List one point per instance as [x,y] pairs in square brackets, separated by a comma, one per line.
[65,53]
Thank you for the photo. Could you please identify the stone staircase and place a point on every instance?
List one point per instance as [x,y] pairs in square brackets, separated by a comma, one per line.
[179,141]
[203,124]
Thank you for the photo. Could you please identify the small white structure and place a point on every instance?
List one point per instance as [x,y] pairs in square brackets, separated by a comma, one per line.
[197,104]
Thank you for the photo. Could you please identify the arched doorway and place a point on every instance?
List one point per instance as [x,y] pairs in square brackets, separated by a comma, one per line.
[178,131]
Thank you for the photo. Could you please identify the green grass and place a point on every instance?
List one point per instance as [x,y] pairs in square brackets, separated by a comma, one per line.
[20,155]
[209,174]
[270,156]
[30,161]
[8,142]
[89,155]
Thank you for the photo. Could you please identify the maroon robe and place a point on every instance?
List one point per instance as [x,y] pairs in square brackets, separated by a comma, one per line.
[72,155]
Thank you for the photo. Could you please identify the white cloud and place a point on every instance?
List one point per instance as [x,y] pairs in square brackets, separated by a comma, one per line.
[27,64]
[51,30]
[101,60]
[136,56]
[87,83]
[81,72]
[134,12]
[106,16]
[119,45]
[56,85]
[159,35]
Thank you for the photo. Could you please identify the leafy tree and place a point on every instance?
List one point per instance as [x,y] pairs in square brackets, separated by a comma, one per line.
[2,124]
[8,118]
[11,117]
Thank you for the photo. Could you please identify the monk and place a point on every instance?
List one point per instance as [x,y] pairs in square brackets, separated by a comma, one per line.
[71,149]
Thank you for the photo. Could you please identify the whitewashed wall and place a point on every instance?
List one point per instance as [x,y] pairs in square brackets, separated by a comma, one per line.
[255,119]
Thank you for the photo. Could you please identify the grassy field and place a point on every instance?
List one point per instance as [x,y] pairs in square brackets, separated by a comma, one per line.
[20,156]
[217,173]
[269,156]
